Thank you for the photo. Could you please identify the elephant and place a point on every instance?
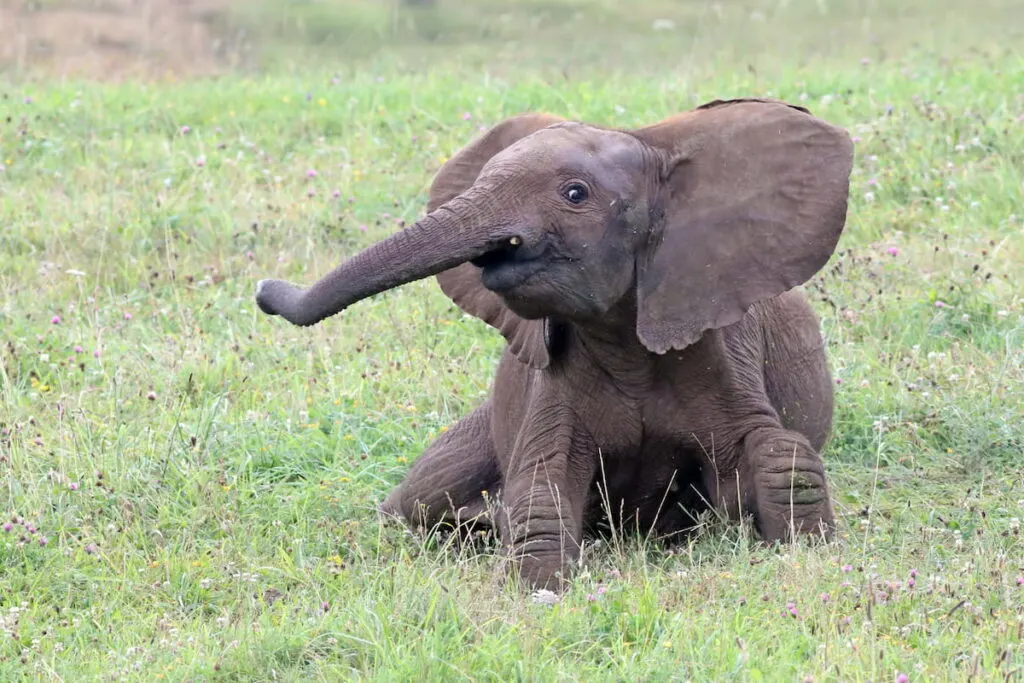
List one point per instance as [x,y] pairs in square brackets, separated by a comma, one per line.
[660,357]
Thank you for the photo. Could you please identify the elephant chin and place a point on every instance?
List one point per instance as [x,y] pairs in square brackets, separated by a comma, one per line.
[507,278]
[524,306]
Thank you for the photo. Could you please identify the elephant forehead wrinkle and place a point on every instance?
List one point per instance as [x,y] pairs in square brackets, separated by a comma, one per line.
[605,146]
[525,154]
[580,137]
[511,169]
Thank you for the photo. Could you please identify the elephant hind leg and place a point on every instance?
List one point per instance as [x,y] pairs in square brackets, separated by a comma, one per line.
[445,486]
[797,377]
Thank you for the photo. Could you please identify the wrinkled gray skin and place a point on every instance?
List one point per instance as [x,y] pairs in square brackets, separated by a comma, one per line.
[658,356]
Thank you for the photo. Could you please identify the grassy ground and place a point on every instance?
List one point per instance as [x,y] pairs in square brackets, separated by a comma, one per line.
[190,484]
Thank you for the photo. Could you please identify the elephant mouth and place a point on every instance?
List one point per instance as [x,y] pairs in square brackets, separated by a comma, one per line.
[510,266]
[495,257]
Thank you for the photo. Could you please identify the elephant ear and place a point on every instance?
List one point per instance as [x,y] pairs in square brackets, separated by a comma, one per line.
[754,197]
[531,341]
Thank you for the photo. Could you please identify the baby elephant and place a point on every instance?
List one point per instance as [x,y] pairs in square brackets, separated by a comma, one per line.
[659,360]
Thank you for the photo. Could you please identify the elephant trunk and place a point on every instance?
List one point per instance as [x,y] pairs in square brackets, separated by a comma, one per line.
[458,231]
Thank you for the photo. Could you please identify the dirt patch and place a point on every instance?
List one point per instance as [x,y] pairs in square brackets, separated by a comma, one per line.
[117,39]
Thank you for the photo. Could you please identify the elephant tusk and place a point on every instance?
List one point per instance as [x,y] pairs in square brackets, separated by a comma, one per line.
[515,241]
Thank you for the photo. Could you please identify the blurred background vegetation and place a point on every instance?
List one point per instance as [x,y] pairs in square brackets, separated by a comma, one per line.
[117,38]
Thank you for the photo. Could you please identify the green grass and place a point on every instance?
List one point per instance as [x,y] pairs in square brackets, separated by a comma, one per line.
[204,476]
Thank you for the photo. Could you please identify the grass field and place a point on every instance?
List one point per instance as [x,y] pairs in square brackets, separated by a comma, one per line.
[187,486]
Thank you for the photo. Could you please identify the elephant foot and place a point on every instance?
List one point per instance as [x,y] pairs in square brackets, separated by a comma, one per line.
[541,570]
[389,511]
[542,554]
[540,525]
[468,520]
[791,495]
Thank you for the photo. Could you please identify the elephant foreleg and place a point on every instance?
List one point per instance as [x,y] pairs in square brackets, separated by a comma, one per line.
[544,498]
[446,484]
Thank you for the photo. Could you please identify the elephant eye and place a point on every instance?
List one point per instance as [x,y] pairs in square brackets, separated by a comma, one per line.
[576,193]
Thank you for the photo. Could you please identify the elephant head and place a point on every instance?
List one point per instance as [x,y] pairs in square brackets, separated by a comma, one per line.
[690,221]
